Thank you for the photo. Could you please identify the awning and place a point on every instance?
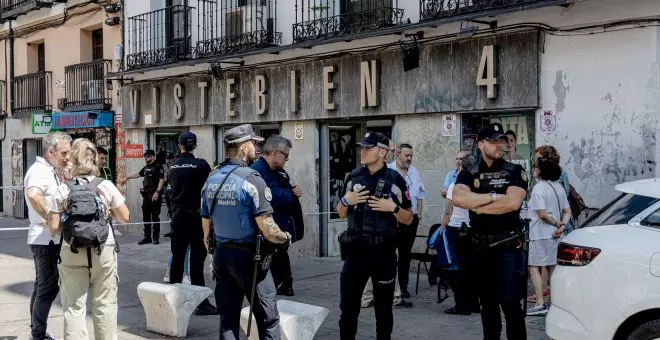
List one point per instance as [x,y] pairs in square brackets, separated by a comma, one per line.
[82,119]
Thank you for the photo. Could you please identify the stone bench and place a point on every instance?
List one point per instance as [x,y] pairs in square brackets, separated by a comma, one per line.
[168,307]
[298,321]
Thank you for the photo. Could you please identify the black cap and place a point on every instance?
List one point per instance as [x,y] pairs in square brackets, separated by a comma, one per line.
[149,152]
[372,139]
[492,131]
[188,139]
[169,155]
[240,134]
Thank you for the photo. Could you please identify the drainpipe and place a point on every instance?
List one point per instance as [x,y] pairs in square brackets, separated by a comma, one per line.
[11,68]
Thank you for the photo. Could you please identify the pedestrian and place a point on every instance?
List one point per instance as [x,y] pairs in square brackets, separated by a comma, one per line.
[450,178]
[550,152]
[187,177]
[493,190]
[40,183]
[236,204]
[376,200]
[466,299]
[106,173]
[152,200]
[96,268]
[285,203]
[550,213]
[408,234]
[512,155]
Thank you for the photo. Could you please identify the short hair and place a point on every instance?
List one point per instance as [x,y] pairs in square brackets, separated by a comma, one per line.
[53,139]
[101,150]
[510,132]
[276,143]
[84,158]
[404,146]
[548,152]
[549,170]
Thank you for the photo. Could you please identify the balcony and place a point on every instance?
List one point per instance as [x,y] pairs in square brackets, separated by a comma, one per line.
[32,92]
[324,19]
[437,9]
[11,9]
[85,87]
[225,28]
[159,37]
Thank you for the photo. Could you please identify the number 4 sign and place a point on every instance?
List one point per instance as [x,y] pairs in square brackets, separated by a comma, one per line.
[486,73]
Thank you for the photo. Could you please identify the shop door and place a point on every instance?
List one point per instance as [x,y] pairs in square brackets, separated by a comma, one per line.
[166,142]
[23,154]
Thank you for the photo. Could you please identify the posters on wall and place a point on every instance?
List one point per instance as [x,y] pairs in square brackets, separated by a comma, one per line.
[449,125]
[548,121]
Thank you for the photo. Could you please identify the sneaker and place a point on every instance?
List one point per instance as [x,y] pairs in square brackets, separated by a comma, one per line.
[145,240]
[403,304]
[538,310]
[532,298]
[186,280]
[166,279]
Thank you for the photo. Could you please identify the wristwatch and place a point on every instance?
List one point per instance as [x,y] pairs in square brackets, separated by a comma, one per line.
[396,210]
[493,195]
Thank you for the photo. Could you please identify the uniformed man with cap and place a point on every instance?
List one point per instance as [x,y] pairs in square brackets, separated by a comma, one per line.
[187,176]
[376,201]
[236,204]
[154,179]
[493,191]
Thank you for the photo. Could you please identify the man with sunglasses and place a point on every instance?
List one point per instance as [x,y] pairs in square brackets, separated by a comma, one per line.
[493,191]
[376,200]
[152,184]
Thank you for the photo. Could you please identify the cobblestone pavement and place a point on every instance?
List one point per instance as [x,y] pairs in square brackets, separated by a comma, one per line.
[316,282]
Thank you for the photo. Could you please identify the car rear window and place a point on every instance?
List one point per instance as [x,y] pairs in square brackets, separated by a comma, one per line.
[620,210]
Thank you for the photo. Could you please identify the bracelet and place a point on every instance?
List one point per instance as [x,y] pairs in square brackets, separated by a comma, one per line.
[344,201]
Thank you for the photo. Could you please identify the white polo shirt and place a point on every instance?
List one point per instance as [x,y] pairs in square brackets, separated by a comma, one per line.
[40,175]
[414,182]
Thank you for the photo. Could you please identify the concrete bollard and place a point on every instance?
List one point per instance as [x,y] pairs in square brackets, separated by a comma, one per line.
[298,321]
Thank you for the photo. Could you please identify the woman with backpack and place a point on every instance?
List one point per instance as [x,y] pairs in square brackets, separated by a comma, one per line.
[81,212]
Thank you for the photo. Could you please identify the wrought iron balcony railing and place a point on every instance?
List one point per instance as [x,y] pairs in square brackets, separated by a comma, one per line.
[228,27]
[85,87]
[323,19]
[32,92]
[435,9]
[159,37]
[10,9]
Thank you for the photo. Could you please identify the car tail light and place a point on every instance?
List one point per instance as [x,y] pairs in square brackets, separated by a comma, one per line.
[575,256]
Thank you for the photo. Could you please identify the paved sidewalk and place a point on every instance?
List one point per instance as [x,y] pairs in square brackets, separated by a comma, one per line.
[316,282]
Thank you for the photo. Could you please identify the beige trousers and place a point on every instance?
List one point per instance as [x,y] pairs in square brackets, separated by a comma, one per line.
[76,279]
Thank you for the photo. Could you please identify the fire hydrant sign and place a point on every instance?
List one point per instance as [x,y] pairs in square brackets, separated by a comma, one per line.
[134,151]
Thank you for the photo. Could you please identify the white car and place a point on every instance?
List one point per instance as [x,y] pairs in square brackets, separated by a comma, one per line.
[607,281]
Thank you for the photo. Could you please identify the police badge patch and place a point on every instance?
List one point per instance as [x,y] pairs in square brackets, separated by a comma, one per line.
[476,183]
[267,194]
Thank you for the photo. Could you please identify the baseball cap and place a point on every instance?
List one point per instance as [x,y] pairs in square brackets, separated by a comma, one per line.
[188,139]
[240,134]
[492,131]
[372,139]
[149,152]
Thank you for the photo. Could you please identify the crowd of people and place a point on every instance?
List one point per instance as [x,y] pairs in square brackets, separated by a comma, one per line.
[249,205]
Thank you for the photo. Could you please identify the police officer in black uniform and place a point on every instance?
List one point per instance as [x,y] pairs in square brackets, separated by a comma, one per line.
[494,189]
[236,200]
[154,179]
[376,204]
[187,176]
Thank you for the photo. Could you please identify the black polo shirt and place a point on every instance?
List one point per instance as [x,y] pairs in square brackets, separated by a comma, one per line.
[187,177]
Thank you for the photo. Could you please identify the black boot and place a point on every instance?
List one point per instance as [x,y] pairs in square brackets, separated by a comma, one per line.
[285,290]
[457,311]
[145,240]
[206,308]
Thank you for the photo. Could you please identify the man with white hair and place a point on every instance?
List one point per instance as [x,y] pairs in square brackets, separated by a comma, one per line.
[40,183]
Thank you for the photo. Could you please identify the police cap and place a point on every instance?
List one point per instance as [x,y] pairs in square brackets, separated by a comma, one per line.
[188,139]
[492,131]
[149,152]
[372,139]
[240,134]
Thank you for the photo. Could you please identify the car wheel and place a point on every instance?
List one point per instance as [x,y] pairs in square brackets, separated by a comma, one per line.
[647,331]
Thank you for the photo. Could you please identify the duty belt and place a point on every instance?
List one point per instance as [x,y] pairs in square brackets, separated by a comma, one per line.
[494,240]
[371,240]
[241,246]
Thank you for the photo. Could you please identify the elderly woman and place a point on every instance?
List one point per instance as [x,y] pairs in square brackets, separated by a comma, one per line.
[79,269]
[550,214]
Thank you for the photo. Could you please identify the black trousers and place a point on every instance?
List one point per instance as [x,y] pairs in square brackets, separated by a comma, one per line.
[379,264]
[407,235]
[281,268]
[187,228]
[151,213]
[46,286]
[499,281]
[233,272]
[462,280]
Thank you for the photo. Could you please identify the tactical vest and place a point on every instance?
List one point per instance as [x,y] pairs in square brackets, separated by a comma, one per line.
[483,183]
[151,179]
[364,222]
[231,207]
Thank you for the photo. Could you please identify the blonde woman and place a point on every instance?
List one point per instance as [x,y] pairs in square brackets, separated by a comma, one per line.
[80,269]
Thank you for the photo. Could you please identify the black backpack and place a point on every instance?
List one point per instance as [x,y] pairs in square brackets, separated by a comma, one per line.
[85,224]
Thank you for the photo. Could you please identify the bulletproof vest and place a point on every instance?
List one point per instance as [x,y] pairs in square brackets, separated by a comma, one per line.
[497,182]
[233,208]
[364,222]
[151,171]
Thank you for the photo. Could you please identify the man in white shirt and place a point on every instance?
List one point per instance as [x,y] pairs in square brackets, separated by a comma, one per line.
[417,193]
[40,183]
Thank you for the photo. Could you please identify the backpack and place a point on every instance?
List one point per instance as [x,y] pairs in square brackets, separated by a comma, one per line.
[576,202]
[85,223]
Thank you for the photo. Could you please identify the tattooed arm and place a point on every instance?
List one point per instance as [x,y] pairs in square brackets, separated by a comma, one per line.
[270,230]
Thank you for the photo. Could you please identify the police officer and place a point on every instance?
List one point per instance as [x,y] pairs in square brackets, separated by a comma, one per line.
[167,191]
[376,200]
[236,201]
[493,189]
[187,176]
[154,179]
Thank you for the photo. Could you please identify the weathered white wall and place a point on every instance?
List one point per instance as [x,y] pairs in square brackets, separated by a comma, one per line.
[133,197]
[604,89]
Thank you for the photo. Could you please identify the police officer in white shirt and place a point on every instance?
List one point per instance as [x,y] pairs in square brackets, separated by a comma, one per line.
[417,195]
[40,184]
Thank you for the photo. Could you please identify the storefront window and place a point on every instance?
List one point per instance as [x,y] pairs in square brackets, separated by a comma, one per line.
[166,142]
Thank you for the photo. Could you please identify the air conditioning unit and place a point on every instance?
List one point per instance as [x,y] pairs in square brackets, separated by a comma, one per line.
[93,89]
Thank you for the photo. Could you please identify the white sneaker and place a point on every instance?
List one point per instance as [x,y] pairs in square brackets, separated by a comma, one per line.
[166,279]
[186,280]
